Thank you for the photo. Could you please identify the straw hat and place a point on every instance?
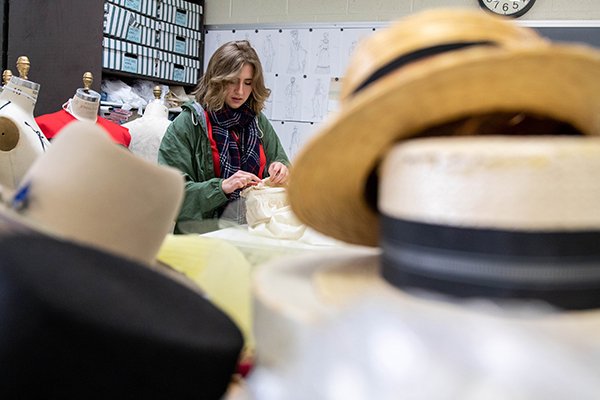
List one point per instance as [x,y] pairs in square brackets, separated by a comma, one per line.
[427,70]
[87,190]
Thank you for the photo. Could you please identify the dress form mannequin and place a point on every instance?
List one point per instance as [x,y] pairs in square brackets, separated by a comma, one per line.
[83,106]
[147,131]
[22,141]
[156,107]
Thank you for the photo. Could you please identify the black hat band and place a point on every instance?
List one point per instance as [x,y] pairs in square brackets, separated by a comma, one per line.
[561,268]
[414,56]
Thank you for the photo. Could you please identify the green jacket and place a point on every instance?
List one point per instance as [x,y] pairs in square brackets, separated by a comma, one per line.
[186,147]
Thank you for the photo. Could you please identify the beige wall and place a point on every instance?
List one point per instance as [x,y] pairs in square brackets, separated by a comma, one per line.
[231,12]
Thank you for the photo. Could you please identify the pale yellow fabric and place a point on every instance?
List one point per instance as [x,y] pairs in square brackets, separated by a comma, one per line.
[219,269]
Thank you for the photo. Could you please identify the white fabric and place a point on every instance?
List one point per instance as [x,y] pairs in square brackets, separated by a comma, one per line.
[121,93]
[269,214]
[147,132]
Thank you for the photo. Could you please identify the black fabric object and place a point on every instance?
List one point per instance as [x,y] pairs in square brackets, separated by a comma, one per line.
[559,268]
[80,323]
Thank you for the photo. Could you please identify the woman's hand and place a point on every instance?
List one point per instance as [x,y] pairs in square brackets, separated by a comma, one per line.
[278,173]
[239,180]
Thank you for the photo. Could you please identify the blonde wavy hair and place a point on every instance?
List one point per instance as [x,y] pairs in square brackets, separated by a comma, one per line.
[223,68]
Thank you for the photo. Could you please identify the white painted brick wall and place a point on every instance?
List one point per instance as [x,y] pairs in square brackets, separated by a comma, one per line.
[224,12]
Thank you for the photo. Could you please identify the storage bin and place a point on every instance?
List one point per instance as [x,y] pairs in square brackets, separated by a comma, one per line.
[180,40]
[180,12]
[128,25]
[144,7]
[177,68]
[122,56]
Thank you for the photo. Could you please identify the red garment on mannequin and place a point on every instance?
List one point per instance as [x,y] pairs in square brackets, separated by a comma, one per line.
[52,123]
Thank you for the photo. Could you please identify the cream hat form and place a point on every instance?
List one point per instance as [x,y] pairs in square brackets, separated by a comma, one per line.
[22,140]
[517,183]
[88,190]
[148,130]
[494,216]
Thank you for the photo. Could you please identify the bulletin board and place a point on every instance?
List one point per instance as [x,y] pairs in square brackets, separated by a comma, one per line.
[304,64]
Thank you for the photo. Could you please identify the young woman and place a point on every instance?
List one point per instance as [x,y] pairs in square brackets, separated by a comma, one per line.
[222,142]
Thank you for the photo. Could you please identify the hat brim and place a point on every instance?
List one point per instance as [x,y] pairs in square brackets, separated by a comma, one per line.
[327,189]
[339,307]
[297,293]
[86,189]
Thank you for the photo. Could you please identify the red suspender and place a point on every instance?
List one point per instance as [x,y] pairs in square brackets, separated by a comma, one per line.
[213,147]
[263,161]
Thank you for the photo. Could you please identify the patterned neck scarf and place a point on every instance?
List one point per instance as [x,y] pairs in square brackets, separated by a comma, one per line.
[236,134]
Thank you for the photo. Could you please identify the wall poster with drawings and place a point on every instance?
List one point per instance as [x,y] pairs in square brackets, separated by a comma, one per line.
[303,67]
